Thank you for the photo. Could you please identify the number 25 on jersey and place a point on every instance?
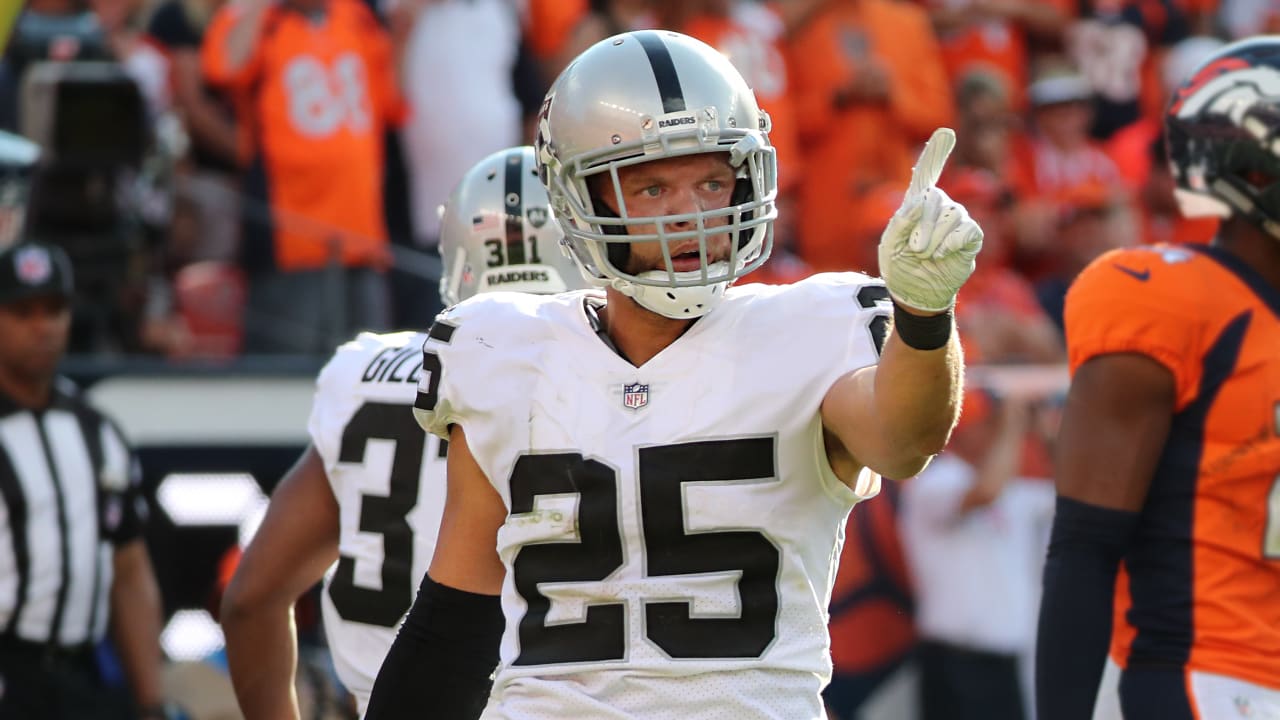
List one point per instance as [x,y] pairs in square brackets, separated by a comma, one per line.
[670,622]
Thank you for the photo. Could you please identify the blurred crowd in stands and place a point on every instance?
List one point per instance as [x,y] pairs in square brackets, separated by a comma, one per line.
[262,176]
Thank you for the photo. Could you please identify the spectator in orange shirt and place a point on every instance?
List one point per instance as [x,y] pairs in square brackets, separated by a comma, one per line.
[869,86]
[1060,152]
[1055,160]
[997,36]
[314,86]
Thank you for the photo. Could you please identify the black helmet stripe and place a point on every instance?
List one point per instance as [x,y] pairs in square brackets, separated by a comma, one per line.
[664,71]
[513,201]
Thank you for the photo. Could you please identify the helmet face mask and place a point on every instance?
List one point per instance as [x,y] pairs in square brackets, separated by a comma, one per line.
[1223,135]
[498,233]
[645,96]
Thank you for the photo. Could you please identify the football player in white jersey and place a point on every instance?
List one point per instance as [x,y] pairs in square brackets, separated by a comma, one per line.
[369,490]
[651,479]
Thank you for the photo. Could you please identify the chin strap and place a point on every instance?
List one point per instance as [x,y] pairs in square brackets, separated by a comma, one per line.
[680,303]
[1250,203]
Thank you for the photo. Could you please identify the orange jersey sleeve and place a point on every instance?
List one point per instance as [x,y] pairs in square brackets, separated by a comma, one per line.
[1133,300]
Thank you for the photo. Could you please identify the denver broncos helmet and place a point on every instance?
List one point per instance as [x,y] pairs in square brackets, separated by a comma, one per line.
[643,96]
[497,232]
[1223,134]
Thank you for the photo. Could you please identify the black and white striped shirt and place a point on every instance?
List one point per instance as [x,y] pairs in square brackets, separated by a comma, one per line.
[69,494]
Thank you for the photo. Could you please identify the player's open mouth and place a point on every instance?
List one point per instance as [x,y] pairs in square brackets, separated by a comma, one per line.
[686,261]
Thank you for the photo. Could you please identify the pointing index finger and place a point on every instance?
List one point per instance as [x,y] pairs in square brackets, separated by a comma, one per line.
[932,159]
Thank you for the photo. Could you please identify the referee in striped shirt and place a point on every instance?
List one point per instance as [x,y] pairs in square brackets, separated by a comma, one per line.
[72,559]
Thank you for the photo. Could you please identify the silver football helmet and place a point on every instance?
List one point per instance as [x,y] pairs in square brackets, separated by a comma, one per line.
[643,96]
[497,232]
[18,157]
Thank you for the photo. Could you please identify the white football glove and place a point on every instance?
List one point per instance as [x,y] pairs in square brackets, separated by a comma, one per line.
[928,248]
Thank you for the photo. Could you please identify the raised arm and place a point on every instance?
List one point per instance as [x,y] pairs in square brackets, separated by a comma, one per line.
[895,416]
[230,45]
[296,542]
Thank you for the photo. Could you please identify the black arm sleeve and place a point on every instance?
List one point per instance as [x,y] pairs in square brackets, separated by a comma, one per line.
[1085,550]
[442,658]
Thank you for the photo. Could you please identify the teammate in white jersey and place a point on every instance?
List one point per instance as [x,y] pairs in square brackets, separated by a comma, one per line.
[652,480]
[369,490]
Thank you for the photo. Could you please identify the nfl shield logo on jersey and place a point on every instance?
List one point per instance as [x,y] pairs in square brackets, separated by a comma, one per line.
[635,395]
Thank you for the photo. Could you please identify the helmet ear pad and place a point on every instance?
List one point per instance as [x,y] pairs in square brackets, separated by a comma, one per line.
[1258,167]
[620,252]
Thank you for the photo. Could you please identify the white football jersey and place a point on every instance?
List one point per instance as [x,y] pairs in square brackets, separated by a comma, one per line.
[389,479]
[673,529]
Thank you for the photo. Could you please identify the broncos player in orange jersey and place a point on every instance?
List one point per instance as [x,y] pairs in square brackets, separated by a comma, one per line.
[1169,454]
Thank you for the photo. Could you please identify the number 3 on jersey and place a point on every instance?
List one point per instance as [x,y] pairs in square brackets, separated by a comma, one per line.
[670,623]
[383,515]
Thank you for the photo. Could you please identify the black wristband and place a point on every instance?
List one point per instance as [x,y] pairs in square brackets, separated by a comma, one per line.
[922,333]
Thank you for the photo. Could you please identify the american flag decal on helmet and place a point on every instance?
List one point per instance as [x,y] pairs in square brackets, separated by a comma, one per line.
[635,396]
